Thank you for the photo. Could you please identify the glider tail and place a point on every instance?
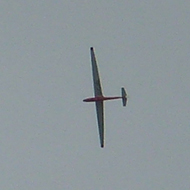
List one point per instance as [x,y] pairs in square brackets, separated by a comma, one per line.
[124,96]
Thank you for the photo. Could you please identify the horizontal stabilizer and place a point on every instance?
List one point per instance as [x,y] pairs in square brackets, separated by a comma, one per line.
[124,96]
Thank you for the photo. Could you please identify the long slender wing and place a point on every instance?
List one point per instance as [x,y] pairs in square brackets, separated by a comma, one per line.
[96,78]
[100,118]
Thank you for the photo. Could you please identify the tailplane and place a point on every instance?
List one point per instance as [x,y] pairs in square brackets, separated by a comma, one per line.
[124,96]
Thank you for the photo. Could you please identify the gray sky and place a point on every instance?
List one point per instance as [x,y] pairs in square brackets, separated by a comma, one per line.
[48,136]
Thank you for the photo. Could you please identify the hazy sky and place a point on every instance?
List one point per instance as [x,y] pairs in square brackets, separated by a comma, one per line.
[49,137]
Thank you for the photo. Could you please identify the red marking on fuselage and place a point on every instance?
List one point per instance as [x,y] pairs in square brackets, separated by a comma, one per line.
[101,98]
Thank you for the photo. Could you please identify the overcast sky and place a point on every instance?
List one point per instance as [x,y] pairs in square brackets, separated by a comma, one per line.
[49,137]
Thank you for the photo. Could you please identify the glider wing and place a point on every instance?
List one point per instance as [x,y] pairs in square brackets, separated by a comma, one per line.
[96,78]
[100,118]
[98,92]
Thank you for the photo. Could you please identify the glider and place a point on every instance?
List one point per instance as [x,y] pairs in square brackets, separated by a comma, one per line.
[99,98]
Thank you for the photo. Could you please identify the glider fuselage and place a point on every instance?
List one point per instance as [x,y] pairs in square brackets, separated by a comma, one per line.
[101,98]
